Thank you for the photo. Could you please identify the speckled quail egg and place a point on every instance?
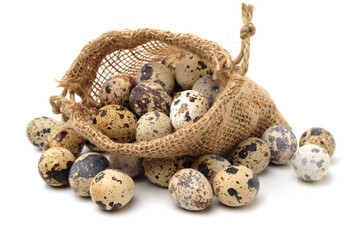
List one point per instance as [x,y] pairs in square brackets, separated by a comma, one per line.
[156,72]
[131,165]
[187,108]
[282,143]
[153,125]
[149,96]
[310,162]
[190,190]
[54,166]
[39,129]
[117,122]
[116,90]
[160,170]
[65,137]
[253,153]
[320,137]
[189,69]
[111,189]
[84,170]
[172,61]
[209,87]
[209,165]
[92,146]
[235,185]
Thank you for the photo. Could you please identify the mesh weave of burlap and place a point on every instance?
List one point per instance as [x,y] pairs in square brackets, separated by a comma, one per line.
[242,110]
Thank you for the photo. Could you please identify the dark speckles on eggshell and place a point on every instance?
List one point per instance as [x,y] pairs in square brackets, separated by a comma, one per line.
[316,131]
[304,161]
[231,170]
[100,204]
[307,178]
[99,177]
[60,136]
[233,193]
[253,182]
[147,72]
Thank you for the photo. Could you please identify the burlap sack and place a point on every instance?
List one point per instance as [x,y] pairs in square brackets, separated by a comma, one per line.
[242,110]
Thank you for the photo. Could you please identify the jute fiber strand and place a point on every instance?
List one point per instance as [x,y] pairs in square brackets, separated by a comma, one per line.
[242,110]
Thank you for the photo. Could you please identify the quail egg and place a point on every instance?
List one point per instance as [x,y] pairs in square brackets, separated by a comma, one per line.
[84,170]
[187,108]
[172,61]
[131,165]
[235,185]
[209,165]
[310,162]
[209,87]
[149,96]
[117,122]
[111,189]
[320,137]
[253,153]
[189,69]
[190,190]
[160,170]
[282,143]
[156,72]
[54,166]
[65,137]
[153,125]
[116,90]
[39,129]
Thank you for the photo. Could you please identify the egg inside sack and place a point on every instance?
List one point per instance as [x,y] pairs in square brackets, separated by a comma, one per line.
[187,108]
[156,72]
[153,125]
[209,87]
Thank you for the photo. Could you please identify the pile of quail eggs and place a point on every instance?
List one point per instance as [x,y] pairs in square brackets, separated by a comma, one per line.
[166,96]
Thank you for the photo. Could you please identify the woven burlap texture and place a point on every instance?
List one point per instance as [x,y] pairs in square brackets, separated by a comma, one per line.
[242,110]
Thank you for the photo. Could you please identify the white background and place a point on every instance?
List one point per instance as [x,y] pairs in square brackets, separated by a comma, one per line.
[306,54]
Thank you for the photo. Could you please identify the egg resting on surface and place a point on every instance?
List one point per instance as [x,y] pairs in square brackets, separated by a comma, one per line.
[149,96]
[54,166]
[84,170]
[209,87]
[209,165]
[190,190]
[153,125]
[160,170]
[189,69]
[156,72]
[235,185]
[116,90]
[117,122]
[310,162]
[253,153]
[39,129]
[282,143]
[111,189]
[187,108]
[66,137]
[131,165]
[320,137]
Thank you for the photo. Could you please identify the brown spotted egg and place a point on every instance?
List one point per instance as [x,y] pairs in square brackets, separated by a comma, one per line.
[116,90]
[117,122]
[149,96]
[310,162]
[84,170]
[187,108]
[190,190]
[209,165]
[160,170]
[253,153]
[39,129]
[153,125]
[158,73]
[320,137]
[209,87]
[282,143]
[235,185]
[131,165]
[65,137]
[54,166]
[111,189]
[189,69]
